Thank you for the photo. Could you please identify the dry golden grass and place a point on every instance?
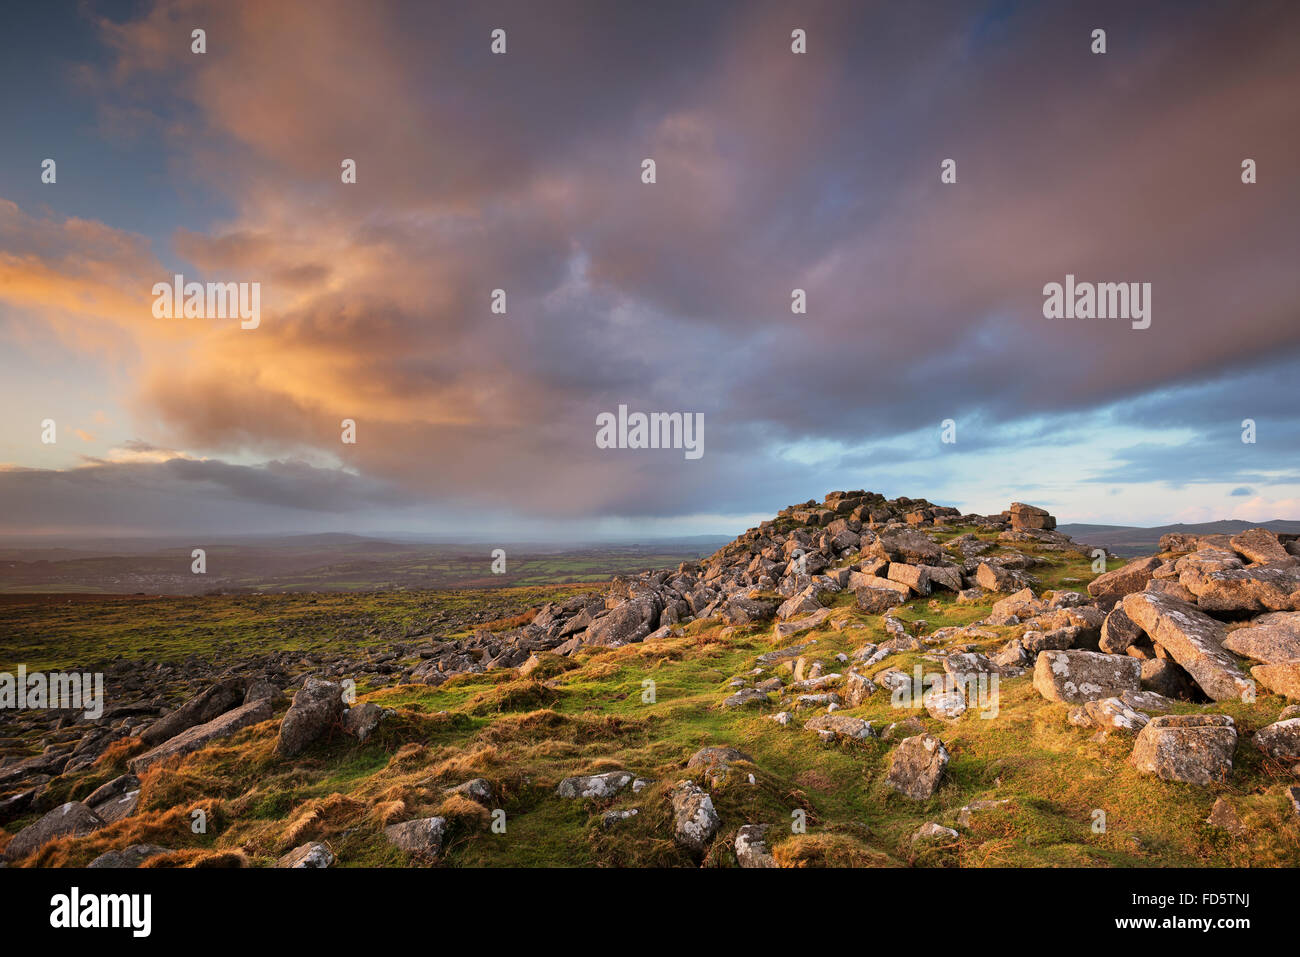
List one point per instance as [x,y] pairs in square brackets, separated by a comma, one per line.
[462,813]
[322,818]
[828,850]
[388,812]
[512,621]
[199,858]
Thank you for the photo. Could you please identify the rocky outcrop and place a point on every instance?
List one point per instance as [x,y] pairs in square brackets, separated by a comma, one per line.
[200,736]
[1280,740]
[1167,627]
[1132,577]
[1282,678]
[1030,517]
[1078,676]
[1193,639]
[215,700]
[1272,638]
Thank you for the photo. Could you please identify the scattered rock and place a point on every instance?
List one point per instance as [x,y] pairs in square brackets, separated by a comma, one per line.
[857,689]
[947,703]
[694,819]
[199,736]
[361,720]
[1224,816]
[128,857]
[785,629]
[839,726]
[934,832]
[317,708]
[917,767]
[964,815]
[259,689]
[751,847]
[116,799]
[617,816]
[905,545]
[995,578]
[596,787]
[1030,517]
[1118,632]
[1132,577]
[215,700]
[745,697]
[877,601]
[1112,714]
[714,763]
[1257,588]
[314,854]
[72,819]
[478,790]
[422,839]
[1190,748]
[1258,545]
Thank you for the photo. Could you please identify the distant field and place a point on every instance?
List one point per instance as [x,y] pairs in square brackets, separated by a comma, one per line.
[347,566]
[57,632]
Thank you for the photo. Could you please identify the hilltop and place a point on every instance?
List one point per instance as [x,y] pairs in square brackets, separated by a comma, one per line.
[856,682]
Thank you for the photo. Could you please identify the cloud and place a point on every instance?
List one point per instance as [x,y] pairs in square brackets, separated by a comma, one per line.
[775,171]
[182,495]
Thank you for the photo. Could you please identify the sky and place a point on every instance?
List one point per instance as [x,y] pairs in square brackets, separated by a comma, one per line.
[523,171]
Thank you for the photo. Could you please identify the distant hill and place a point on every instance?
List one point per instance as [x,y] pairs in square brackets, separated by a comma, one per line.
[1130,540]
